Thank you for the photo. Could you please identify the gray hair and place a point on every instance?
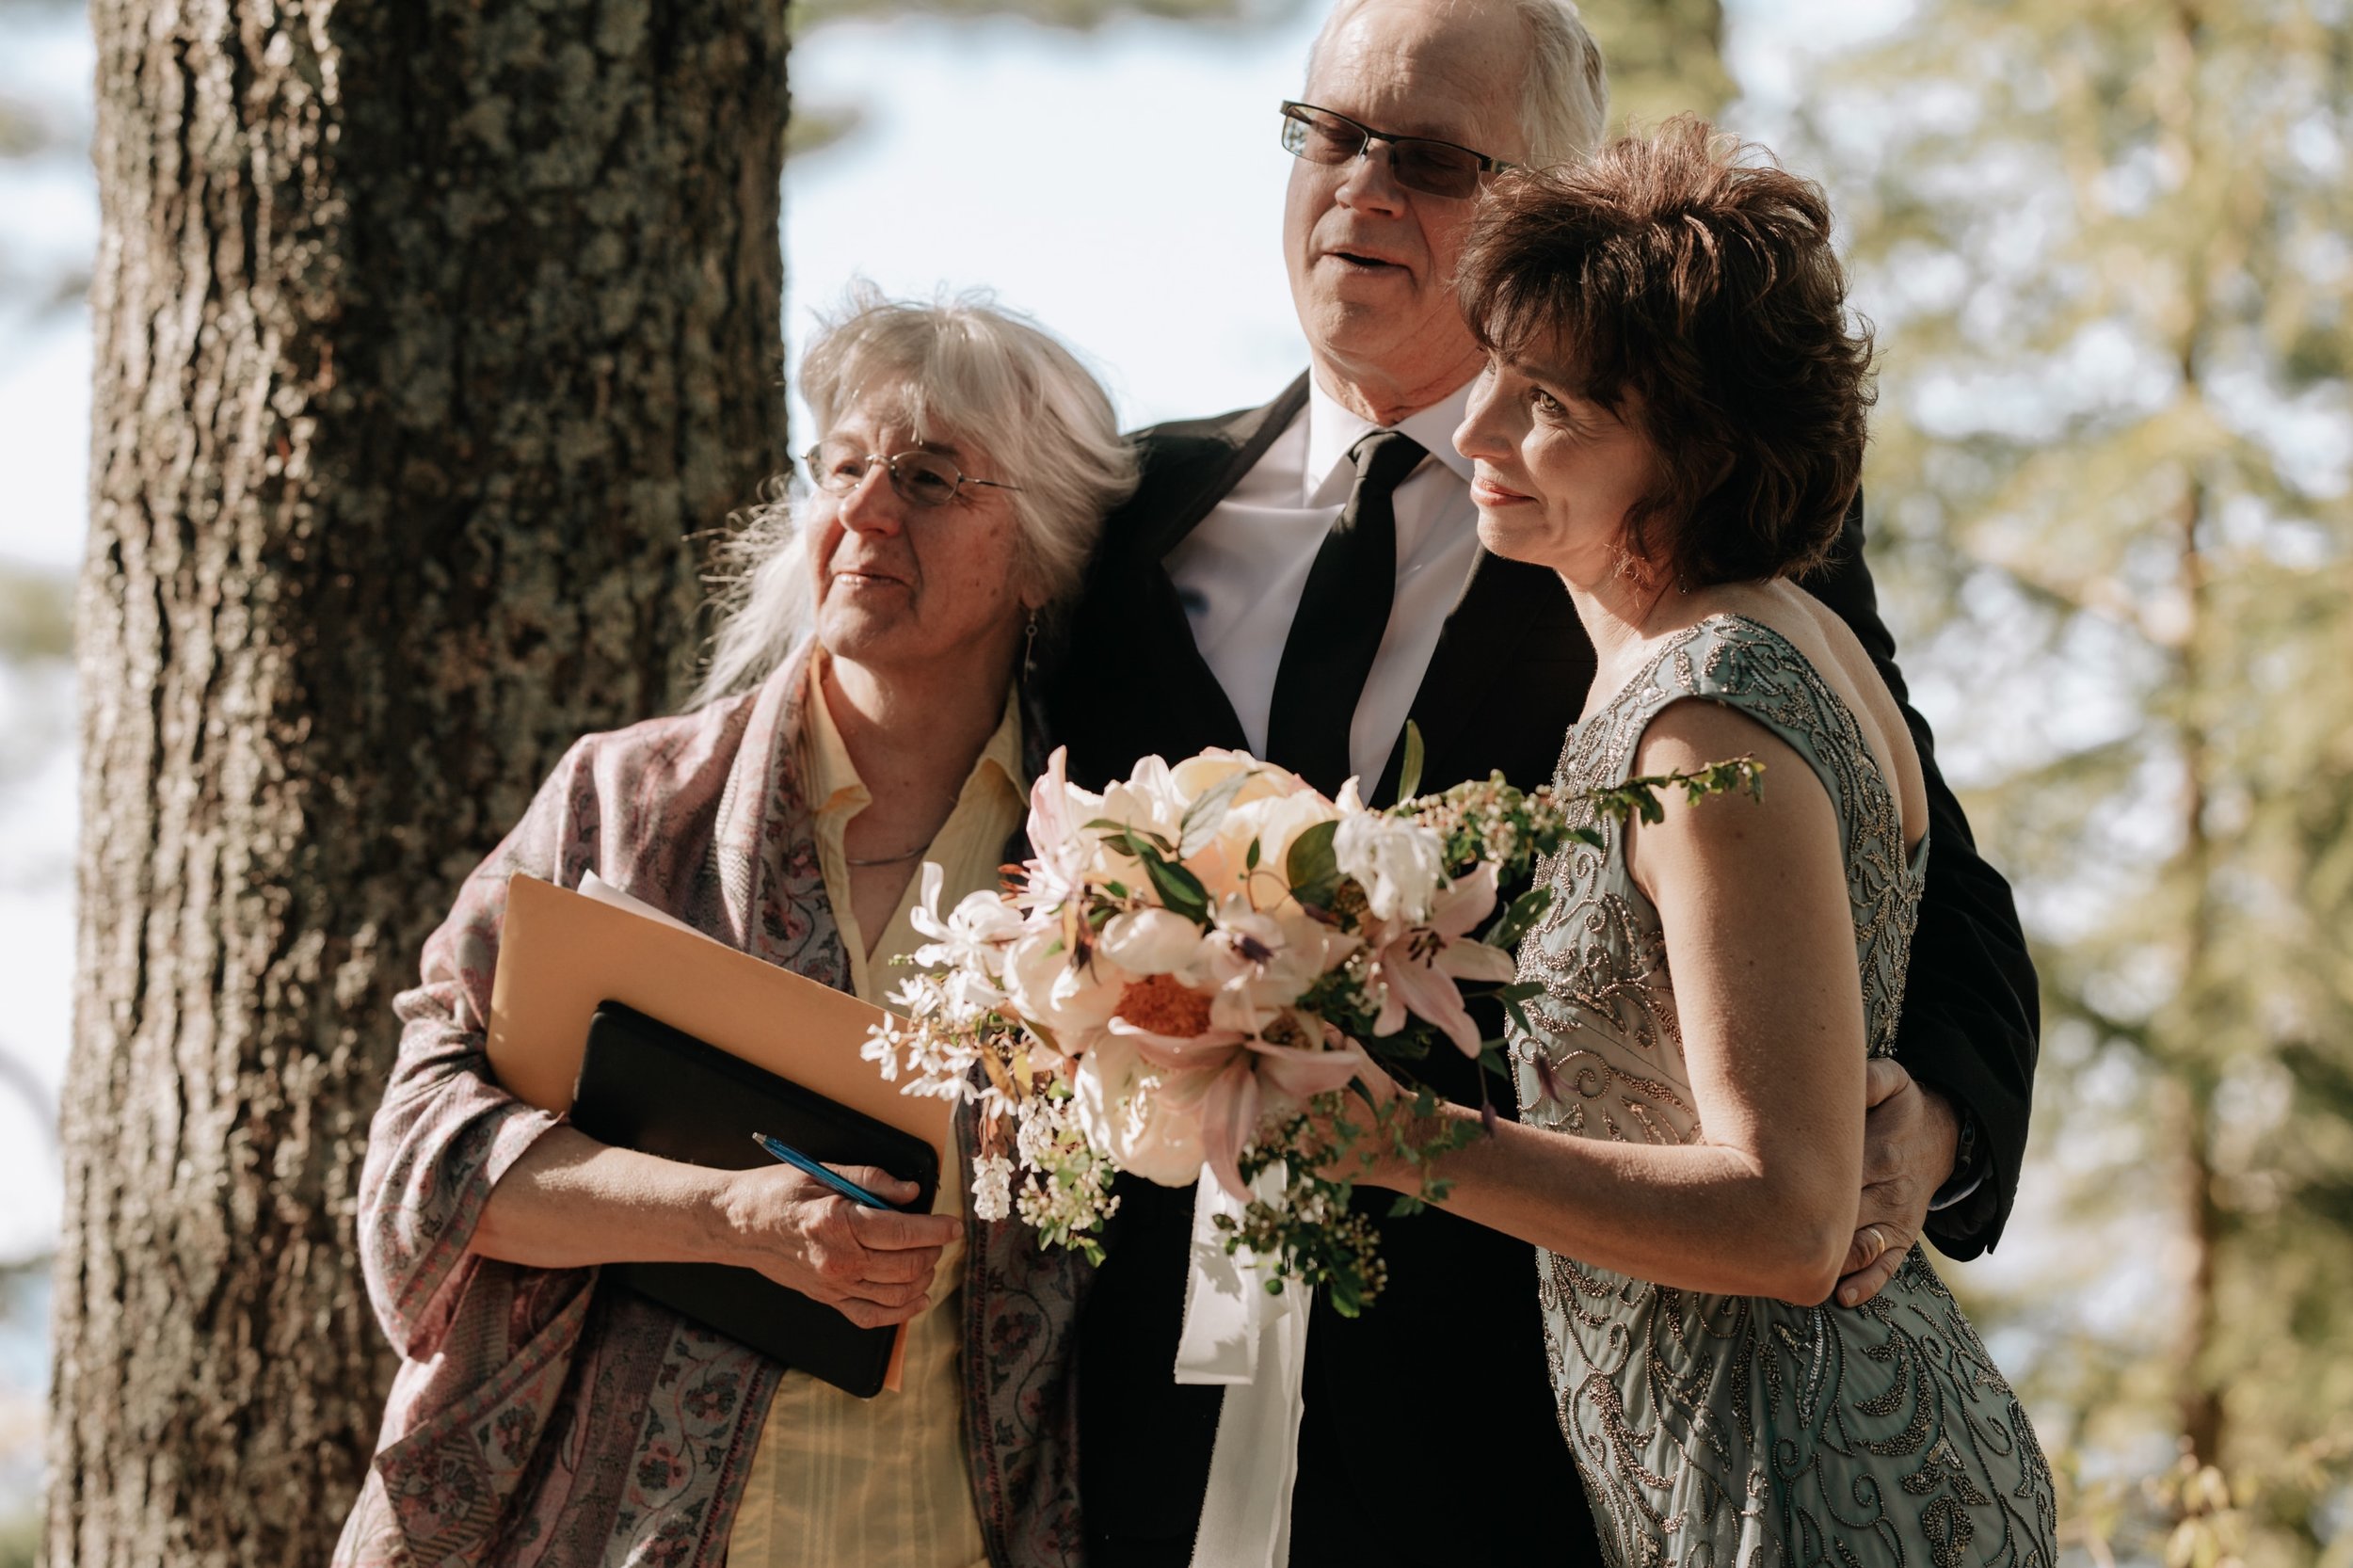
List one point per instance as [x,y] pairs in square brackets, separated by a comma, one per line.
[962,364]
[1564,102]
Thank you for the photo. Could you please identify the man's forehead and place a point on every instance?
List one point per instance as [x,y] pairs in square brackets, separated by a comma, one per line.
[1447,69]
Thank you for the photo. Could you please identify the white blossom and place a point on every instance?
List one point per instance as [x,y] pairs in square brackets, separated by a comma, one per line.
[1398,863]
[992,1186]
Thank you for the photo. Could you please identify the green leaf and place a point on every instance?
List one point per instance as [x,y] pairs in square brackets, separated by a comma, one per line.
[1313,869]
[1250,860]
[1405,1204]
[1513,923]
[1408,772]
[1179,889]
[1207,814]
[1124,836]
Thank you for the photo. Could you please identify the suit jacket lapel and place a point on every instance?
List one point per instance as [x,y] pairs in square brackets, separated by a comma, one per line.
[1213,466]
[1129,681]
[1198,467]
[1503,604]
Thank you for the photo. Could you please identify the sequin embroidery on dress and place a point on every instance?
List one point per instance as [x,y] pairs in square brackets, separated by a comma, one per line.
[1730,1431]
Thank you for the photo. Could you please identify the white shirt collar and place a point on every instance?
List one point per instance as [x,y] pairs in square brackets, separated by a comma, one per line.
[1333,429]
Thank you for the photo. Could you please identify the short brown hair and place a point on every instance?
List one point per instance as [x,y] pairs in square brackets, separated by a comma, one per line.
[1702,278]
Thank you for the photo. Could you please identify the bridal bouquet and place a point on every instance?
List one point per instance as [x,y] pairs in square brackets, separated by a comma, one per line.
[1195,970]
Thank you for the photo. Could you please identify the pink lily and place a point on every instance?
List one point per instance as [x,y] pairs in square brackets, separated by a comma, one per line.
[1416,967]
[1059,851]
[1247,1069]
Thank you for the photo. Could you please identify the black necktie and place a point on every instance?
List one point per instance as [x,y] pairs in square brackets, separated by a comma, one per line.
[1341,617]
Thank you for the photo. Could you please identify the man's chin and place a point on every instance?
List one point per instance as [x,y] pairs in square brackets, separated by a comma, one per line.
[1358,327]
[1347,281]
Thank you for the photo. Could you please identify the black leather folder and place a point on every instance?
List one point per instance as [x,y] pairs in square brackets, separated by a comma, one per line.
[647,1086]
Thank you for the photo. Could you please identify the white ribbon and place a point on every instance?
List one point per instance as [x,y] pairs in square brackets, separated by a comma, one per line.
[1255,1344]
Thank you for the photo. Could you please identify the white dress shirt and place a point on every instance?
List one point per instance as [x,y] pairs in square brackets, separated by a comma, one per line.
[1242,569]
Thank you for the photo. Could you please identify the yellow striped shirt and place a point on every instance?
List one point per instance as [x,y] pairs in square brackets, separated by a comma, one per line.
[883,1483]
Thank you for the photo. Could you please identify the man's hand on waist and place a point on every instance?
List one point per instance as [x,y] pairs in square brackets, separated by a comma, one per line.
[1911,1138]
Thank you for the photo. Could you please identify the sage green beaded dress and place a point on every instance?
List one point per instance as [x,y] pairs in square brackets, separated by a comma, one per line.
[1730,1431]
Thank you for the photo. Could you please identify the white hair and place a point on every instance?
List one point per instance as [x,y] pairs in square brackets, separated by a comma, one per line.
[961,365]
[1564,100]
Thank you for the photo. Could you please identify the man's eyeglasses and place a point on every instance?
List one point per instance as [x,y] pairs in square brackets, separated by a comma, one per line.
[1418,163]
[920,479]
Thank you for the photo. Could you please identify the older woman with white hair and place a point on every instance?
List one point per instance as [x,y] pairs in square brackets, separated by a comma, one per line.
[862,715]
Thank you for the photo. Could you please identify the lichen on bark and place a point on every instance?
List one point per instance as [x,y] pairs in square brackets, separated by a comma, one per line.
[429,336]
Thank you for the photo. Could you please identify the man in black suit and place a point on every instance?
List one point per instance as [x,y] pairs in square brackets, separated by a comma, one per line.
[1296,581]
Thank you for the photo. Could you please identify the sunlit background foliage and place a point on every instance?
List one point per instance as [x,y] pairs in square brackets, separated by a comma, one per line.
[2109,248]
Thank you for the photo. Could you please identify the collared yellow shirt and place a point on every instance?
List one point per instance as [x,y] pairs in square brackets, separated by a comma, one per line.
[883,1483]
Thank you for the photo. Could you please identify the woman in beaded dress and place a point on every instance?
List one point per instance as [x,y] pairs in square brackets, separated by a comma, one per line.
[1672,419]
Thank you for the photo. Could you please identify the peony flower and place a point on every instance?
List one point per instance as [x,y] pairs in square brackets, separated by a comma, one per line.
[1068,1002]
[1145,1116]
[1196,776]
[1162,1005]
[1416,967]
[1273,821]
[1398,863]
[1150,941]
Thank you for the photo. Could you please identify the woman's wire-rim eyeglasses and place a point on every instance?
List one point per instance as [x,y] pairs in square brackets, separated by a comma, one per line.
[918,478]
[1422,164]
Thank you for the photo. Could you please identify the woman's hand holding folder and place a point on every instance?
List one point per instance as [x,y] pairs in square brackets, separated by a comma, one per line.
[570,1202]
[874,1265]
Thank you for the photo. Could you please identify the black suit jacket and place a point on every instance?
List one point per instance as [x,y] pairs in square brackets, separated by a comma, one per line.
[1430,1435]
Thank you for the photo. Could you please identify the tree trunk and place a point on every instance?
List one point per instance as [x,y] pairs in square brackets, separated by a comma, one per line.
[427,335]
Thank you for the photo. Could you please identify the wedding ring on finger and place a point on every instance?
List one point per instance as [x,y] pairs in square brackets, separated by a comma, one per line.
[1879,1242]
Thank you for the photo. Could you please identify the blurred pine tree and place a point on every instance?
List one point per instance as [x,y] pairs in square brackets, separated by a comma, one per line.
[2107,240]
[1665,57]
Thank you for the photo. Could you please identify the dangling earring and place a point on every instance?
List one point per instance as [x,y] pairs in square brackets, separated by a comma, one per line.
[1029,646]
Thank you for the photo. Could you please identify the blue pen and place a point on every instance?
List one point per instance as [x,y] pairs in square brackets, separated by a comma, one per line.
[834,1179]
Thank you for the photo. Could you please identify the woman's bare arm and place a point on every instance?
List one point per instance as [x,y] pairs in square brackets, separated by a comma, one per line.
[570,1202]
[1760,941]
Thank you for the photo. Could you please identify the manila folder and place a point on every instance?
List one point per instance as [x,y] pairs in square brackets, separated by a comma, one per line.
[561,953]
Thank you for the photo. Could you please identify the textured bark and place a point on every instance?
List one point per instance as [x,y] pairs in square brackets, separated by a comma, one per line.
[429,333]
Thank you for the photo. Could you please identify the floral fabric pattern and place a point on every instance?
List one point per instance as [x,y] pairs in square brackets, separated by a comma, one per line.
[537,1419]
[1729,1431]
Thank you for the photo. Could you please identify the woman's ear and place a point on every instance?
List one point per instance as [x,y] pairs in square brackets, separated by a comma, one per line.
[1033,596]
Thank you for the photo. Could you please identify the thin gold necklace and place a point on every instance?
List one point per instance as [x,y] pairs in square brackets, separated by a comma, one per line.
[888,859]
[905,856]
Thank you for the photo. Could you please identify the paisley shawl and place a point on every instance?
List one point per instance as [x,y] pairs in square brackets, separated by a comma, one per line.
[538,1419]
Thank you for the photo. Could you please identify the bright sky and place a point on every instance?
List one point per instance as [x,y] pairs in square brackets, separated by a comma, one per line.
[1128,192]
